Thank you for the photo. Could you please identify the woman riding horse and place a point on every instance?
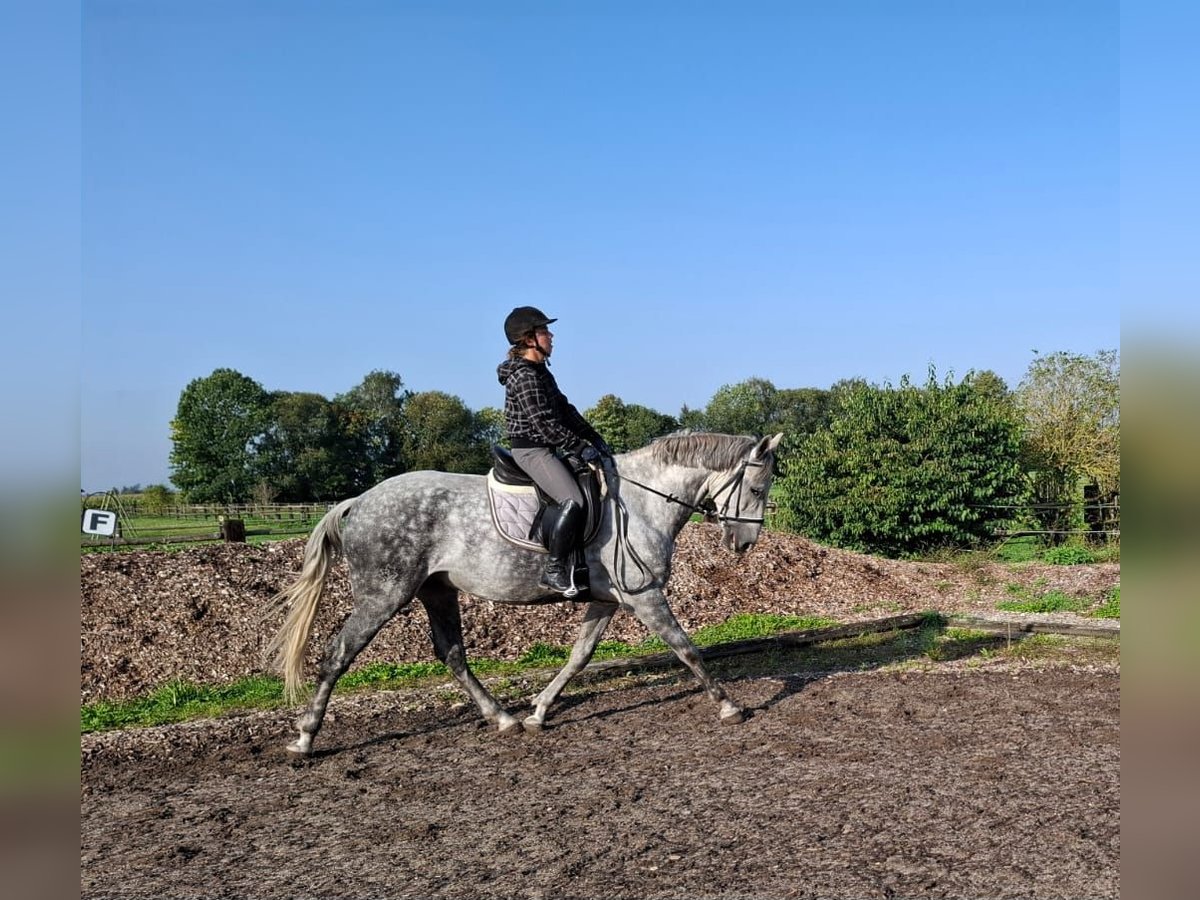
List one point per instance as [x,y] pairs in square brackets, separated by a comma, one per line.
[540,420]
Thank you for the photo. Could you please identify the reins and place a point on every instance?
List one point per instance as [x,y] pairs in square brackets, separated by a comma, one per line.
[736,478]
[622,548]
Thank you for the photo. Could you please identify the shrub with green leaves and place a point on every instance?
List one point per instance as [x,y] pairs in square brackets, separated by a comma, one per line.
[902,471]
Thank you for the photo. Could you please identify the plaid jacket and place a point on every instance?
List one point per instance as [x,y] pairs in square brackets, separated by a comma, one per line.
[536,412]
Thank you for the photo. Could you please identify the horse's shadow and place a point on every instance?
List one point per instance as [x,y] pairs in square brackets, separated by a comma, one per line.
[453,720]
[797,668]
[794,669]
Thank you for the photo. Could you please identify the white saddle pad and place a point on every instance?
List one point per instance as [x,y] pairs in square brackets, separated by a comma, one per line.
[514,507]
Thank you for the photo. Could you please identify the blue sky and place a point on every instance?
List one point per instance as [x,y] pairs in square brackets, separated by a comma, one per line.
[701,193]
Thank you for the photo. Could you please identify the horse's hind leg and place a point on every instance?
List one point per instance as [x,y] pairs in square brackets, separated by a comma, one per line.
[372,610]
[445,624]
[595,621]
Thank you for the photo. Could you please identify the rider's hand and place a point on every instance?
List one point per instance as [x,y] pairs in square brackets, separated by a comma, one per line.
[589,454]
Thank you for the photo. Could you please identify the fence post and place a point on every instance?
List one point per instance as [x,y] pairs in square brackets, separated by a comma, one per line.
[233,531]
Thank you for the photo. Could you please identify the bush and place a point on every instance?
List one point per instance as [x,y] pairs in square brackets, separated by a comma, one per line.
[904,471]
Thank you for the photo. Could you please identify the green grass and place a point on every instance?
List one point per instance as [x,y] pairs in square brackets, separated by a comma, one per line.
[1111,608]
[744,626]
[1037,646]
[1049,602]
[1021,549]
[1069,555]
[158,528]
[1030,600]
[957,643]
[1032,548]
[179,701]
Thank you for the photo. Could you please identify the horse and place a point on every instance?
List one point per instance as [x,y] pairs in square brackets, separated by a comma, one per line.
[429,535]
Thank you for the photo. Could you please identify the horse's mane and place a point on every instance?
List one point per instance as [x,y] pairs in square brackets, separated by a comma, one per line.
[700,449]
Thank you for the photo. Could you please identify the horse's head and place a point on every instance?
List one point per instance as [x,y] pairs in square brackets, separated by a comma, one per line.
[739,496]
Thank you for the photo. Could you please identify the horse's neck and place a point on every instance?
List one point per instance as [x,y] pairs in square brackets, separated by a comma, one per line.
[685,484]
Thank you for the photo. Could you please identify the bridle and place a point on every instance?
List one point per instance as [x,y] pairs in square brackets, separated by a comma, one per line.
[622,549]
[733,484]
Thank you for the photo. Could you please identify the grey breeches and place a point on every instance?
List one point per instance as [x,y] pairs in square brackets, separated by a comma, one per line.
[549,473]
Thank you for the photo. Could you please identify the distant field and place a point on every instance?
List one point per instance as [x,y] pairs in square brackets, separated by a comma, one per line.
[192,524]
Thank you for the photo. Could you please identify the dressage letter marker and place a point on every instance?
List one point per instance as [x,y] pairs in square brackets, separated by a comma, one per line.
[99,521]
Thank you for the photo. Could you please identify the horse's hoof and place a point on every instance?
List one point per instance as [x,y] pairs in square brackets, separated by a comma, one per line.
[506,725]
[734,716]
[296,750]
[532,724]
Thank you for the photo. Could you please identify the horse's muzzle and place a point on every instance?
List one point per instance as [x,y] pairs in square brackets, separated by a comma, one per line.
[738,543]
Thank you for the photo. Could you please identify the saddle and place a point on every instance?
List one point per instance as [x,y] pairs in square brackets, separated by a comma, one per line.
[517,504]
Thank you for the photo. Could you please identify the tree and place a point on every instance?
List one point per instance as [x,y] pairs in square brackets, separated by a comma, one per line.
[643,424]
[800,412]
[305,453]
[490,426]
[1072,411]
[608,417]
[215,433]
[991,385]
[844,386]
[691,419]
[373,421]
[444,435]
[628,426]
[747,407]
[905,470]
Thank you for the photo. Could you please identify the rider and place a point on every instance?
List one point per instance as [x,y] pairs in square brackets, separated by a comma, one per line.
[540,420]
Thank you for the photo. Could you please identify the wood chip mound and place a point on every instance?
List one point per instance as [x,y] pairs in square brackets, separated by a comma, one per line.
[203,615]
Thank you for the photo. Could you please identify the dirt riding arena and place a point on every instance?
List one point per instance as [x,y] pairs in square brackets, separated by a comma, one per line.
[950,780]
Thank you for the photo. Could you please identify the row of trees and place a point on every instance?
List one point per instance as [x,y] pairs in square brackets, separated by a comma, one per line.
[889,469]
[232,440]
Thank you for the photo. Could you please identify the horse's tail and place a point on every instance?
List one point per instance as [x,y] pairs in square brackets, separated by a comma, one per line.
[300,599]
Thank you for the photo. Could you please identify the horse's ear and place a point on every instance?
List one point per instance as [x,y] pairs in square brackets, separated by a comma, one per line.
[766,445]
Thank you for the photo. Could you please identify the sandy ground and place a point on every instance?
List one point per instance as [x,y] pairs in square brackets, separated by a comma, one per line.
[940,783]
[970,778]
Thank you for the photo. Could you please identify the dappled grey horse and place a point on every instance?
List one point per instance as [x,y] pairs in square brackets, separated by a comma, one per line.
[429,535]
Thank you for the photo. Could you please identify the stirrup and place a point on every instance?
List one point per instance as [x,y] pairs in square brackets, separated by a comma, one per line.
[570,591]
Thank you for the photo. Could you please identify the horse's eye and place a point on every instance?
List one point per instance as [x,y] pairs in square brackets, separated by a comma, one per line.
[757,492]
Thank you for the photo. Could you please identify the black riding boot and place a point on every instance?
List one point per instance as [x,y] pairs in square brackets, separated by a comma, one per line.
[561,525]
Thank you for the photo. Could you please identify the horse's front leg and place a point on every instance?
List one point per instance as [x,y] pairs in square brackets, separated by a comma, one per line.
[652,610]
[595,621]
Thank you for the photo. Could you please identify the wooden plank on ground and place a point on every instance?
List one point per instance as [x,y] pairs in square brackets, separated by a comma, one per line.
[1030,626]
[1013,627]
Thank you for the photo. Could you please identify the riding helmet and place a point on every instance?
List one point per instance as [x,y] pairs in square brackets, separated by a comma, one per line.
[524,320]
